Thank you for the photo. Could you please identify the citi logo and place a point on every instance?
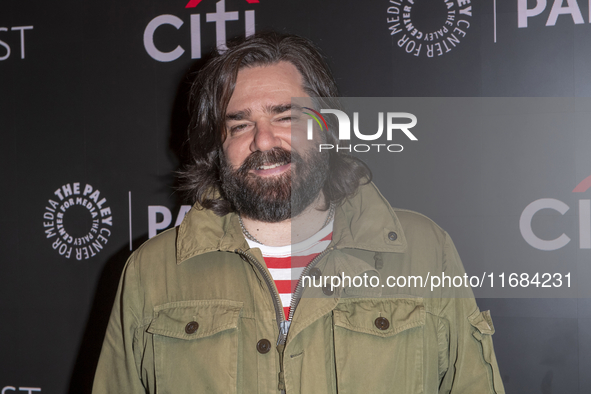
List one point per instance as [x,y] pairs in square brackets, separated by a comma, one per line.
[344,130]
[220,17]
[525,221]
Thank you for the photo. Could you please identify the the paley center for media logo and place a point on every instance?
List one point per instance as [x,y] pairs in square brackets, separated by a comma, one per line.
[389,124]
[78,221]
[428,28]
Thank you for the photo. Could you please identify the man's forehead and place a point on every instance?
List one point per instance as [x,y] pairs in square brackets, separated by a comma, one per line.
[282,76]
[285,67]
[271,109]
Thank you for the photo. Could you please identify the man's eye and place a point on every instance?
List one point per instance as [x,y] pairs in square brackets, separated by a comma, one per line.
[237,128]
[286,119]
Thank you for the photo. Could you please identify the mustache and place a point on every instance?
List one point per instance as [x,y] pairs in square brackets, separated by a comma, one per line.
[274,156]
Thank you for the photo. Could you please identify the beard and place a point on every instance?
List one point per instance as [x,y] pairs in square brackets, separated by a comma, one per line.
[275,198]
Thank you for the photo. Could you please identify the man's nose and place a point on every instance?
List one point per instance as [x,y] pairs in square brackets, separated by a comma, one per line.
[265,137]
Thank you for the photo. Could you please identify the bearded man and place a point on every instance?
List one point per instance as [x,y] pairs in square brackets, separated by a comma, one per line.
[217,305]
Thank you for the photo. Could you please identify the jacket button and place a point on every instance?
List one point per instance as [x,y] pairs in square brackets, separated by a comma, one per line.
[263,346]
[382,323]
[392,236]
[327,291]
[315,272]
[191,327]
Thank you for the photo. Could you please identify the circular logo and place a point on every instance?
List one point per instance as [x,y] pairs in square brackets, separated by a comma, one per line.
[77,221]
[428,28]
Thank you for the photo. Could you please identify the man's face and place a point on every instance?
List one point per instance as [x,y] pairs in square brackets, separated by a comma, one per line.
[264,146]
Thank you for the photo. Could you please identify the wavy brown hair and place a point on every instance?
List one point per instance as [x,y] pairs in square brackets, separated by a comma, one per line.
[209,97]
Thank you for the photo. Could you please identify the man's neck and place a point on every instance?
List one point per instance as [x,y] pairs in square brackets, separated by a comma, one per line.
[292,230]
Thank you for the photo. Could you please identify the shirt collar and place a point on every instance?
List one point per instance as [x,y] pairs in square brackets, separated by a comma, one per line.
[364,221]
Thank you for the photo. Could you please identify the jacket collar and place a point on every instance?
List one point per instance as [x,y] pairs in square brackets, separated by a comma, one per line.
[364,221]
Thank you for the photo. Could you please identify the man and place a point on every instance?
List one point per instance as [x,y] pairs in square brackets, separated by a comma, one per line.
[207,307]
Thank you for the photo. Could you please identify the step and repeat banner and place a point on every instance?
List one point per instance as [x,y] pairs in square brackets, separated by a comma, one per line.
[93,115]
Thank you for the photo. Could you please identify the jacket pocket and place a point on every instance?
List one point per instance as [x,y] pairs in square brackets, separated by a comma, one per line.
[379,345]
[196,346]
[484,329]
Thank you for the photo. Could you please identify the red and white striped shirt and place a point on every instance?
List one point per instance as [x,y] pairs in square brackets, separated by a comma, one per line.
[286,263]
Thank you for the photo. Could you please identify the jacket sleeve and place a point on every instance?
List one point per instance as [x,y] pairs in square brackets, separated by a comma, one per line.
[119,363]
[472,363]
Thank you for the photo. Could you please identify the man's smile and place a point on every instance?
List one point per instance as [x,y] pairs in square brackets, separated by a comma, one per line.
[272,169]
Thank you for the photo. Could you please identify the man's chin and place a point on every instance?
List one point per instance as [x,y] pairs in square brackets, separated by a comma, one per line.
[268,210]
[271,193]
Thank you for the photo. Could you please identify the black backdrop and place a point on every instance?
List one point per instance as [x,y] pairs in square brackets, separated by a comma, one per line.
[86,104]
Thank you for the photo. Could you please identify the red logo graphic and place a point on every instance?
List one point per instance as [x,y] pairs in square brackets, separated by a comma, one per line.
[583,186]
[194,3]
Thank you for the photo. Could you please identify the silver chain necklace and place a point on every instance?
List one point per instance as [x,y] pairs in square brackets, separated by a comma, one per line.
[252,238]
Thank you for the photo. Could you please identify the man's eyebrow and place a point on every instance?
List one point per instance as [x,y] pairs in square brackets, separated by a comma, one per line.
[272,109]
[238,115]
[278,109]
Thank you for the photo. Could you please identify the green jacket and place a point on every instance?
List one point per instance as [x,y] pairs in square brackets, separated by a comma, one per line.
[196,313]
